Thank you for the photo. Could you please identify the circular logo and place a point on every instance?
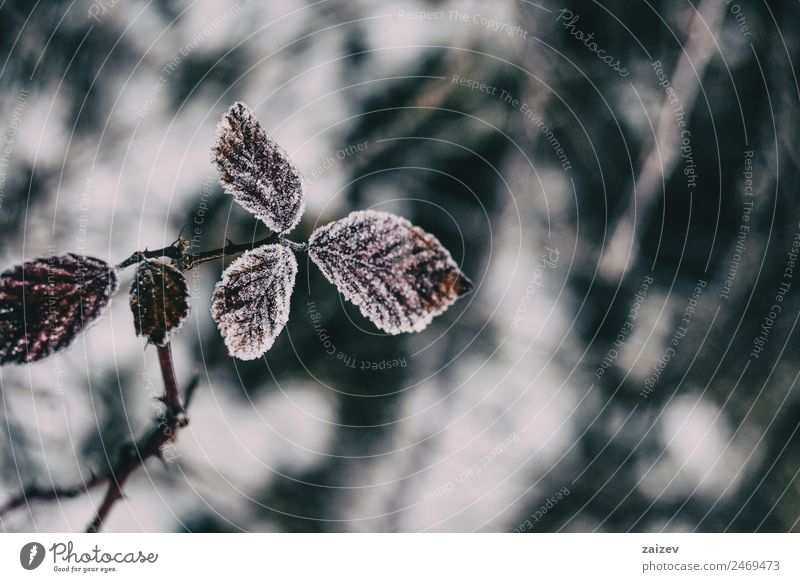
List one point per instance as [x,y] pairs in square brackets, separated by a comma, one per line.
[31,555]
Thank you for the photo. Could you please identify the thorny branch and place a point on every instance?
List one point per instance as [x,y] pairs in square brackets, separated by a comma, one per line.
[423,282]
[131,456]
[172,395]
[34,492]
[177,251]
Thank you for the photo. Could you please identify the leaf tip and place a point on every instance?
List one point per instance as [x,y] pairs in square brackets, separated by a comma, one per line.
[256,171]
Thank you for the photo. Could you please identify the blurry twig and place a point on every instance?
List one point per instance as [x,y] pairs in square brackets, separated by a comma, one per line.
[661,160]
[131,456]
[135,454]
[36,493]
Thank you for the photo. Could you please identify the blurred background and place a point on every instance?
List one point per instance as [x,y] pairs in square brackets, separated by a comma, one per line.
[619,179]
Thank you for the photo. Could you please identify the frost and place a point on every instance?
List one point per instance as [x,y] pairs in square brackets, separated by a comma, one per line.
[251,302]
[398,275]
[47,302]
[256,171]
[159,300]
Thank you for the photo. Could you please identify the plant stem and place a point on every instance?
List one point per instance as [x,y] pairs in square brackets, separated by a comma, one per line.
[35,493]
[177,252]
[172,396]
[133,455]
[163,433]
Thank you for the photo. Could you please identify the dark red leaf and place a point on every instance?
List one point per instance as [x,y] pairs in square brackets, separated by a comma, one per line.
[251,302]
[400,276]
[159,300]
[256,171]
[47,302]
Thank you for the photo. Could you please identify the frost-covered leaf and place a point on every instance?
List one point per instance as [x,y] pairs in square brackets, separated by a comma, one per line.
[159,300]
[251,302]
[47,302]
[256,171]
[400,276]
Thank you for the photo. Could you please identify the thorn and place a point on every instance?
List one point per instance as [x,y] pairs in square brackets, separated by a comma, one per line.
[181,419]
[180,242]
[160,457]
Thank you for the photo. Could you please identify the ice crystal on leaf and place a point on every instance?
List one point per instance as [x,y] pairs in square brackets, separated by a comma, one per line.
[159,300]
[251,302]
[47,302]
[400,276]
[256,171]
